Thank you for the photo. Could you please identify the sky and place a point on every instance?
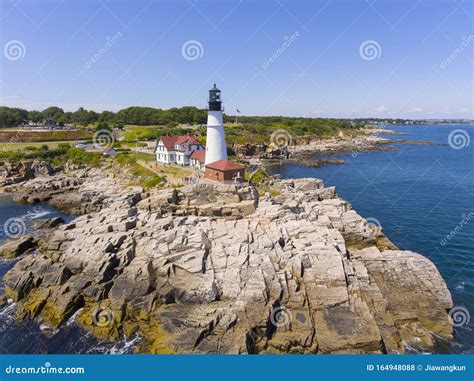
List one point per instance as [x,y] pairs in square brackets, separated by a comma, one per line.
[328,58]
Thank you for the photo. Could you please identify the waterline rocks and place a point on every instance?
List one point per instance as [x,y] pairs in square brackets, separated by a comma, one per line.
[13,248]
[208,268]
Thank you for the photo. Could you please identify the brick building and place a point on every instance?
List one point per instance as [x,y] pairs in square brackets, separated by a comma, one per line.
[224,171]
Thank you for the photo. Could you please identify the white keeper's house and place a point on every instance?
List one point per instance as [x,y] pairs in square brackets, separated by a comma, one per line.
[178,150]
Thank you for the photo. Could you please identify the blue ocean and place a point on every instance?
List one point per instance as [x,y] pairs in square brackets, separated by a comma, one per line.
[423,196]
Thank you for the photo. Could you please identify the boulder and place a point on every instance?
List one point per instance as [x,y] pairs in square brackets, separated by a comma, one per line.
[15,247]
[49,224]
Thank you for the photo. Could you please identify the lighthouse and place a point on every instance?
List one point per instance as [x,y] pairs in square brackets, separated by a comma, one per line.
[215,141]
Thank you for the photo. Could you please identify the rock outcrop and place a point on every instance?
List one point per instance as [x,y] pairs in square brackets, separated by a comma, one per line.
[214,269]
[261,151]
[12,173]
[15,247]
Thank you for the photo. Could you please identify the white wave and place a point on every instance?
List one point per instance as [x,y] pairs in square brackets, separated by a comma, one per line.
[460,286]
[7,309]
[125,345]
[37,213]
[411,349]
[72,319]
[44,327]
[34,214]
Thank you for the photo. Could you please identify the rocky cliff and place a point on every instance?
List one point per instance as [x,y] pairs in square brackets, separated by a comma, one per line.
[11,173]
[215,269]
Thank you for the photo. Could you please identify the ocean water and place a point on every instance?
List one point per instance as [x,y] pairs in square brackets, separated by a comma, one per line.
[423,197]
[19,219]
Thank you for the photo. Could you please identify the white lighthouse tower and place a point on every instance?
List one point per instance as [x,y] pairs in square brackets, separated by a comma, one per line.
[215,140]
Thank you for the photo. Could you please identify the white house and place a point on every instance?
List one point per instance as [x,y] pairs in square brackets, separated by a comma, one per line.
[197,159]
[177,149]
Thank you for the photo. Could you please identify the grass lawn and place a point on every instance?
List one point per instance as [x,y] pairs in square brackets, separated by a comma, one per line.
[43,136]
[143,156]
[173,173]
[131,127]
[12,147]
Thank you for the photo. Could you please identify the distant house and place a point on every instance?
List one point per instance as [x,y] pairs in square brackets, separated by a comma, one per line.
[177,149]
[225,171]
[49,122]
[109,151]
[197,159]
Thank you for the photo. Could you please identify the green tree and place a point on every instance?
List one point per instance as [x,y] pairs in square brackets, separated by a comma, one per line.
[52,112]
[12,117]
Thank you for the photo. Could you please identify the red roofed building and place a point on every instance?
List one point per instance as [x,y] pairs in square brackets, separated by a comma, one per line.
[224,171]
[177,149]
[197,159]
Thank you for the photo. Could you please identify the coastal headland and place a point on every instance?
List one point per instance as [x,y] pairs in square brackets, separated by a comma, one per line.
[313,152]
[286,267]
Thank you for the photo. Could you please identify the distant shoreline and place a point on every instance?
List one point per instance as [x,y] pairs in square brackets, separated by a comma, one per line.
[312,154]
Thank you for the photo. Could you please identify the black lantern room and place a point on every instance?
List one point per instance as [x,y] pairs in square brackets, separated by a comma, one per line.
[215,101]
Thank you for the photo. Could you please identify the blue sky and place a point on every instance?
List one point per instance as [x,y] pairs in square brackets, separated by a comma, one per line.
[107,55]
